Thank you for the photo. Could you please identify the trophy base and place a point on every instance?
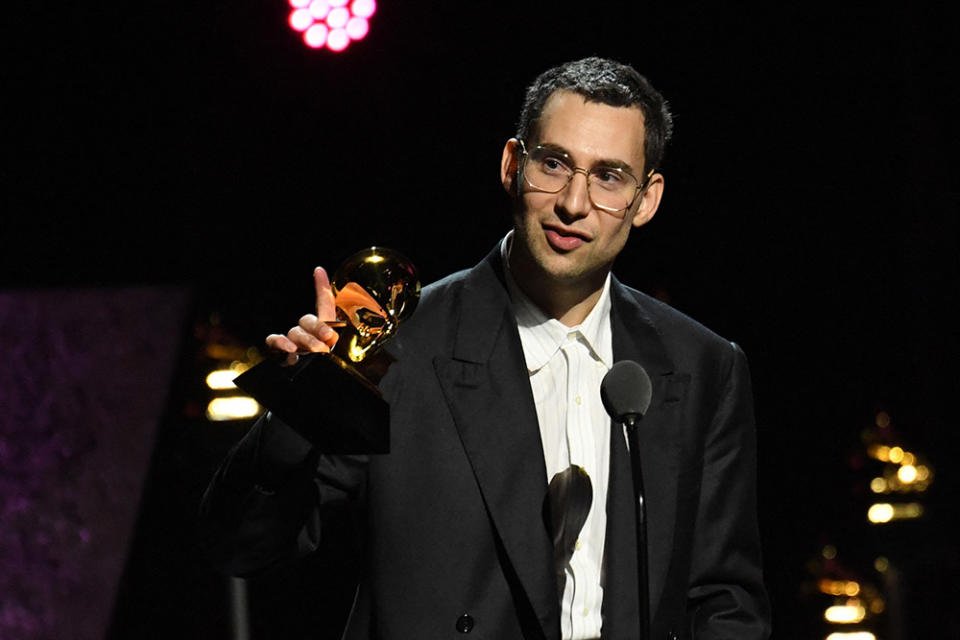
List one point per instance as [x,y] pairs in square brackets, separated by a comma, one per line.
[324,400]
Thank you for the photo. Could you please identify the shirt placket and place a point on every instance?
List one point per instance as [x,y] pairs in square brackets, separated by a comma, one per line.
[580,446]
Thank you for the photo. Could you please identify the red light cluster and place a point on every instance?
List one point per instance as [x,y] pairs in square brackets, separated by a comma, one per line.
[333,24]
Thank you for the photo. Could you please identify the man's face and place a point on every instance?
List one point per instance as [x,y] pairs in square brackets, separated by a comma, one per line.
[562,237]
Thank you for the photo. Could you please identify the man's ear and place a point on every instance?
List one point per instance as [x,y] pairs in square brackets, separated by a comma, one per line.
[509,164]
[649,201]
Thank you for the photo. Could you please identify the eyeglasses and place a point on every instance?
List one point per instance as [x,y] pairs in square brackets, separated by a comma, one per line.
[550,170]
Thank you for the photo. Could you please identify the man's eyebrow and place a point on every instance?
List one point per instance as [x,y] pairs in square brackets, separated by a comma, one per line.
[554,148]
[615,164]
[609,163]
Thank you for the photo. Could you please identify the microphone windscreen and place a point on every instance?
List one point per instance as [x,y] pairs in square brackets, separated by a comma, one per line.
[626,390]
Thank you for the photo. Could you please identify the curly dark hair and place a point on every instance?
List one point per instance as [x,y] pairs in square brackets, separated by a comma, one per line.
[607,82]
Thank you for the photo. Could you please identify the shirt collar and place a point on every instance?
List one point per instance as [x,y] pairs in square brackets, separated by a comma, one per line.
[542,336]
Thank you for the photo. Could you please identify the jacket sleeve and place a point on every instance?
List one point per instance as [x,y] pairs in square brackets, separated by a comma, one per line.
[726,597]
[267,502]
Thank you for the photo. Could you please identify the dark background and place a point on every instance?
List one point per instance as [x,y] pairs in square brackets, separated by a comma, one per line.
[810,214]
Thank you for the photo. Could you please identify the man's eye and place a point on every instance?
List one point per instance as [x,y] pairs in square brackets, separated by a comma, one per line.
[553,165]
[610,178]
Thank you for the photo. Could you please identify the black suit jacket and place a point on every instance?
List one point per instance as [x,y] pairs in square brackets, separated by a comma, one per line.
[454,535]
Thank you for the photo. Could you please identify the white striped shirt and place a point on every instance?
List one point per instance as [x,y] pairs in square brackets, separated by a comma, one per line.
[566,366]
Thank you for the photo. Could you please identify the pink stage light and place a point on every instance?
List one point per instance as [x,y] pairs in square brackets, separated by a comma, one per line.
[363,8]
[338,40]
[357,28]
[319,9]
[331,23]
[316,35]
[300,20]
[338,17]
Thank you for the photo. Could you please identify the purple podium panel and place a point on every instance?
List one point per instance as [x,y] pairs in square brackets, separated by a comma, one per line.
[84,377]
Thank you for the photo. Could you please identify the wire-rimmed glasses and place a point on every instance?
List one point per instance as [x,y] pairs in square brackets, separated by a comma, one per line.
[549,169]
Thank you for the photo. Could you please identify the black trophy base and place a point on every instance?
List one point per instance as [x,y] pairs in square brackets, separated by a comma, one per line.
[324,400]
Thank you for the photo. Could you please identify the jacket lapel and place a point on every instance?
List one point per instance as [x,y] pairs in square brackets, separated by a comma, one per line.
[488,391]
[635,337]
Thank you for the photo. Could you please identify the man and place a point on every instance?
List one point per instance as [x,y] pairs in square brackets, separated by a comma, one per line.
[494,399]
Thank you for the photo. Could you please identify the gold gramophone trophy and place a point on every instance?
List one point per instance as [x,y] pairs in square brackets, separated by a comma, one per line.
[332,399]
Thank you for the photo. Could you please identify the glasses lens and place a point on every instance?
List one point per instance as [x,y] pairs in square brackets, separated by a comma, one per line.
[610,188]
[547,171]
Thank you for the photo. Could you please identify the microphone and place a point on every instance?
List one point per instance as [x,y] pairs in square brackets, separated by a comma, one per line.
[626,392]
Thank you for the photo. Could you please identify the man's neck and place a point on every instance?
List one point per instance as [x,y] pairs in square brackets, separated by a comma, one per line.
[572,310]
[569,301]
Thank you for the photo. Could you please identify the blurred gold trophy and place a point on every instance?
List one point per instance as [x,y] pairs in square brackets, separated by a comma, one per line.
[331,398]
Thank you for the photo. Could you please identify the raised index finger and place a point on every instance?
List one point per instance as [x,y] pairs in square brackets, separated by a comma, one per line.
[326,309]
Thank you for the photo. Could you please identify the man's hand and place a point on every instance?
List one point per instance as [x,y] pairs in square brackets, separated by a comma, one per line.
[312,334]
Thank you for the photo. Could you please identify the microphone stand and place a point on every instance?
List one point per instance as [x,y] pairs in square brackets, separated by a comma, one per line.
[631,421]
[626,393]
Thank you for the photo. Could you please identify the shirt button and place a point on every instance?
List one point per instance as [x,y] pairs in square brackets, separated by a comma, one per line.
[578,400]
[576,545]
[586,612]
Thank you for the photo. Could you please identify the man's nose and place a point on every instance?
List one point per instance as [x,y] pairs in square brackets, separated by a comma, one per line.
[574,199]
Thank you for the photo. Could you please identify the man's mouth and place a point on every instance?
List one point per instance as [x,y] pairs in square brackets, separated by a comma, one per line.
[564,239]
